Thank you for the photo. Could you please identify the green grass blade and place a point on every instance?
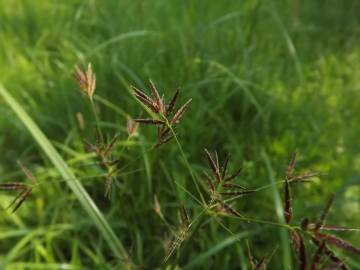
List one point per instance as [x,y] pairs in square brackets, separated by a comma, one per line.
[217,248]
[284,237]
[75,185]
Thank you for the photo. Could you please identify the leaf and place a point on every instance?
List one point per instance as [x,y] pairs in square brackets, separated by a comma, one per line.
[75,185]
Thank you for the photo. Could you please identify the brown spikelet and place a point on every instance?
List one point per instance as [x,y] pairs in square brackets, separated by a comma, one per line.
[228,209]
[139,93]
[20,199]
[163,141]
[12,186]
[180,112]
[27,172]
[291,166]
[317,256]
[324,213]
[213,165]
[145,100]
[171,104]
[158,100]
[287,202]
[233,176]
[234,186]
[150,121]
[237,193]
[299,247]
[303,178]
[110,146]
[287,191]
[331,255]
[338,242]
[337,228]
[224,166]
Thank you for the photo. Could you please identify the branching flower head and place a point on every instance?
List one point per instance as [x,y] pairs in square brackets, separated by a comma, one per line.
[163,111]
[220,183]
[86,80]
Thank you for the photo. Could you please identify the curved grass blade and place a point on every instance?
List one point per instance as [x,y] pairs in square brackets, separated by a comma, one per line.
[75,185]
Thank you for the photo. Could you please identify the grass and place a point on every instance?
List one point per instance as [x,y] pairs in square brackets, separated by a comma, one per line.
[264,77]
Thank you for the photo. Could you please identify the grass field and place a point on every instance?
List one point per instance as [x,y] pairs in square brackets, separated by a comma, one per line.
[266,78]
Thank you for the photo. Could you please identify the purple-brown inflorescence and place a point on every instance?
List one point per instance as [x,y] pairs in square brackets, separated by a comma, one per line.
[220,184]
[86,80]
[166,119]
[24,190]
[103,153]
[322,240]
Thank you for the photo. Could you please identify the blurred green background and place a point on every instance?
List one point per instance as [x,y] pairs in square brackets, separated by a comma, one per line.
[266,77]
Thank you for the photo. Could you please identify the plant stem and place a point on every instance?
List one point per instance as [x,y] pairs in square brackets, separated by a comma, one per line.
[187,164]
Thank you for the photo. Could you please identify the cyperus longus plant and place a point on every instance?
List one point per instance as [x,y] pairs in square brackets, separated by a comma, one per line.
[221,184]
[164,117]
[222,187]
[323,241]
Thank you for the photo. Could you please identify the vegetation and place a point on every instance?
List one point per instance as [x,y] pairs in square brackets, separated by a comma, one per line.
[246,84]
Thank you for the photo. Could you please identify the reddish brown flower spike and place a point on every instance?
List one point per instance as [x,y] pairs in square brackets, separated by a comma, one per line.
[180,112]
[324,213]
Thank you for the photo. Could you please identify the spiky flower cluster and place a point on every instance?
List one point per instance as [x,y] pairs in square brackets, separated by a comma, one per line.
[220,183]
[313,230]
[163,112]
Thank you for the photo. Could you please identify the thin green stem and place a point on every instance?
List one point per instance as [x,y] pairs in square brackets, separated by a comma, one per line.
[96,117]
[187,164]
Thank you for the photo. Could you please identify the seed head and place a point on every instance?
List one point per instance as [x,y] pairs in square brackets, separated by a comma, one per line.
[86,80]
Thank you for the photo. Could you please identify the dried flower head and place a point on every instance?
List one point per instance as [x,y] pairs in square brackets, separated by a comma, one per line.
[86,80]
[156,104]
